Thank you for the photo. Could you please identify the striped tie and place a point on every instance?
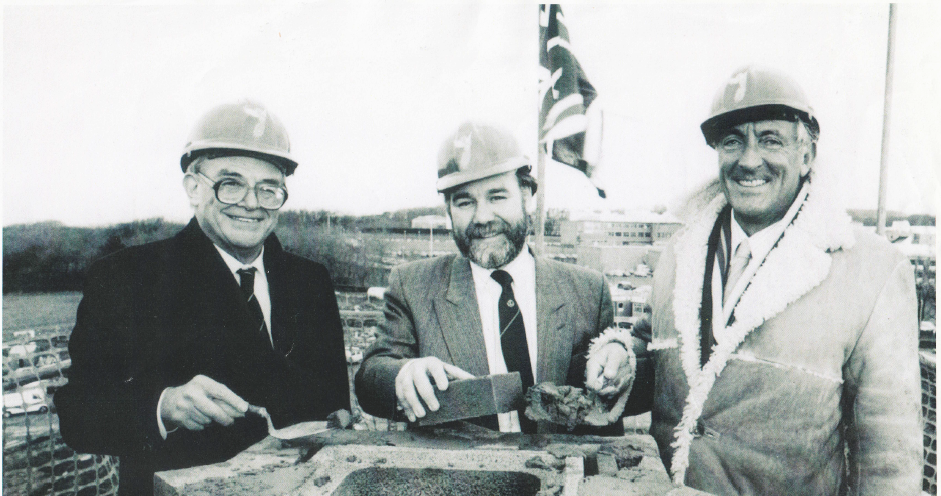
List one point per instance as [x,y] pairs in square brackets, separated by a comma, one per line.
[247,285]
[513,340]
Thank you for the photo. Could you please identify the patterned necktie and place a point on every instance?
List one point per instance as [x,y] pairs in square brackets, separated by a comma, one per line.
[736,268]
[513,340]
[247,285]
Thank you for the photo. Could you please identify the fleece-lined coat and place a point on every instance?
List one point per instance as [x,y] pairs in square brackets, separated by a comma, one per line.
[822,357]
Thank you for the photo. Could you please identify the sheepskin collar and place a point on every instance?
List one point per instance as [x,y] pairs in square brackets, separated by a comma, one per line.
[799,262]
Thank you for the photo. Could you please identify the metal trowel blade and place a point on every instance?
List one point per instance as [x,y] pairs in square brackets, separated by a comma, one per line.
[299,430]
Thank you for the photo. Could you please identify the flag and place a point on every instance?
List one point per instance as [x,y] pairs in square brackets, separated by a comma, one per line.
[570,121]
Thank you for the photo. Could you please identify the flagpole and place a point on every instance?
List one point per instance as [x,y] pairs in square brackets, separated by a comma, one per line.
[883,164]
[540,238]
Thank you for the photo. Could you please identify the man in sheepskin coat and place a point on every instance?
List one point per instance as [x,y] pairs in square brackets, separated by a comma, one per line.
[784,339]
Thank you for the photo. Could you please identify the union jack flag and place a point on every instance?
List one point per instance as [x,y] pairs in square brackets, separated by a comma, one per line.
[570,122]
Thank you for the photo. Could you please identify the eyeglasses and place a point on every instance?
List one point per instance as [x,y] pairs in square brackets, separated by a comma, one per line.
[232,190]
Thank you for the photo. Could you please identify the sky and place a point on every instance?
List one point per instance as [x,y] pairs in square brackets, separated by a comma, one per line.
[98,100]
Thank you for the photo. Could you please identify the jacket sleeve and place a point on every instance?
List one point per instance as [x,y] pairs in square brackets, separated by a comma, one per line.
[606,308]
[642,393]
[883,392]
[396,343]
[105,407]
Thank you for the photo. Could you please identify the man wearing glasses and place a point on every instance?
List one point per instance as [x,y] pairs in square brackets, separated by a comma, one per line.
[174,339]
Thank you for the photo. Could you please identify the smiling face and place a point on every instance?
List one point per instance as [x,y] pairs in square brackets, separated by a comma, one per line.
[489,221]
[760,169]
[239,229]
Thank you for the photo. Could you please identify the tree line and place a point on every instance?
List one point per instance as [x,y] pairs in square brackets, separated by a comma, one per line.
[51,257]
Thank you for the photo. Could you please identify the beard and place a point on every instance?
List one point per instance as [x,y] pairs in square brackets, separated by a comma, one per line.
[494,244]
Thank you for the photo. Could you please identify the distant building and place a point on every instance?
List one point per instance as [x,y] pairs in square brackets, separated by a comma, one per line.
[902,231]
[607,259]
[431,222]
[914,241]
[617,229]
[617,241]
[630,305]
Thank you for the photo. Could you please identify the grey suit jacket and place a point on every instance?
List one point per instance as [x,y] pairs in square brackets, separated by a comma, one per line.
[431,310]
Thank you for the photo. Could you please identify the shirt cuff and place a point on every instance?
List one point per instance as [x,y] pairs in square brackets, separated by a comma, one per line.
[160,426]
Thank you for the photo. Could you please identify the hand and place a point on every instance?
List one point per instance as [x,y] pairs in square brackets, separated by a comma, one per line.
[412,382]
[608,370]
[200,402]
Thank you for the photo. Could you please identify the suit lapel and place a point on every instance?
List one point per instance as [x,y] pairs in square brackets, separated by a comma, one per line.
[459,318]
[554,342]
[282,300]
[216,291]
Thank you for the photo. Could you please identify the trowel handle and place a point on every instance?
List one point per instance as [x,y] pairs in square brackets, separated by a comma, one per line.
[257,410]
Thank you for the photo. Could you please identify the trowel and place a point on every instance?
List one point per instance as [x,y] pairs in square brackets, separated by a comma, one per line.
[477,397]
[299,430]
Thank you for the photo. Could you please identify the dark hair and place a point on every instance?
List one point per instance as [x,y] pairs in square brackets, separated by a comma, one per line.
[523,177]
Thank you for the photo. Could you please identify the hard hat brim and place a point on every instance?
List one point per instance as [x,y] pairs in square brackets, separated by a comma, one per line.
[284,162]
[716,124]
[463,177]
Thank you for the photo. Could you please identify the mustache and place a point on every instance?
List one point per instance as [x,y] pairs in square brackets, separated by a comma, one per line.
[492,228]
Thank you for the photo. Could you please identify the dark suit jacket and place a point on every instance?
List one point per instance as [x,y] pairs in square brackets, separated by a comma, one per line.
[431,310]
[156,315]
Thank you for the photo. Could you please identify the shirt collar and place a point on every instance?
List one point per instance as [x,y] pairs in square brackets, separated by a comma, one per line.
[521,268]
[234,265]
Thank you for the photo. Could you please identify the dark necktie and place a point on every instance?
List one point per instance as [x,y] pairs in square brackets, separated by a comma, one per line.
[513,340]
[247,284]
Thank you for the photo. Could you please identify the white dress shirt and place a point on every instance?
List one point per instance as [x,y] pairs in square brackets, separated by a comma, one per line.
[523,271]
[761,243]
[261,282]
[261,294]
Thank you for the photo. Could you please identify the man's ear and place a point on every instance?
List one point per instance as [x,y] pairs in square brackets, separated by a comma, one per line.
[191,185]
[807,160]
[529,199]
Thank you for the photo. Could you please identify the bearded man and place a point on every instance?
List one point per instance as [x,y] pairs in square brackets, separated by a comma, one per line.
[493,309]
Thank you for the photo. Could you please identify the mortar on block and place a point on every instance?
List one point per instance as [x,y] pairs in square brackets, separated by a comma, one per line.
[436,461]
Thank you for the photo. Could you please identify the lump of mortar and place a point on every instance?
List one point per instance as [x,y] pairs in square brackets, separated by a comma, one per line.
[625,456]
[340,419]
[564,451]
[539,463]
[571,406]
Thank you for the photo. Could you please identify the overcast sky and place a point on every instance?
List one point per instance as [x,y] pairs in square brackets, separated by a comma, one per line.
[98,100]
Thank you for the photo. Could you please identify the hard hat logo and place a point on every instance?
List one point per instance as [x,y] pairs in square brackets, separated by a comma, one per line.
[241,129]
[740,80]
[262,116]
[464,143]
